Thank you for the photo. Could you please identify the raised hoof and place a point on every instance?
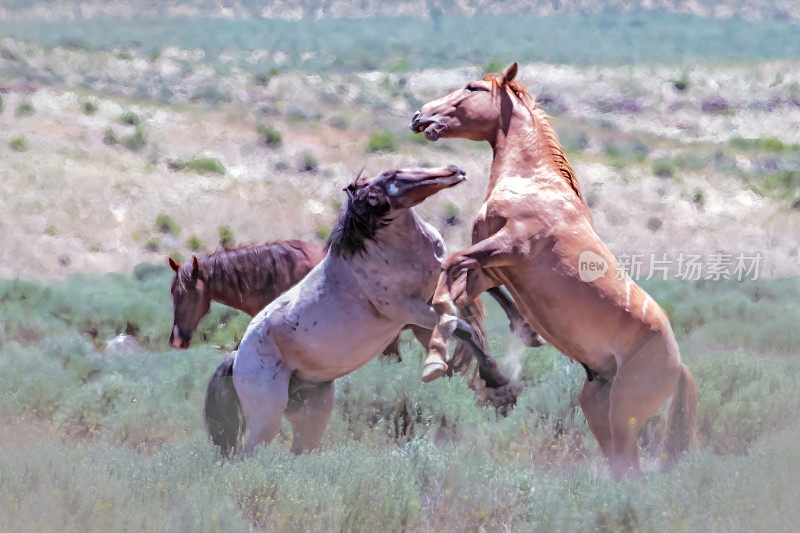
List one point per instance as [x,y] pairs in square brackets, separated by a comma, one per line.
[529,338]
[433,371]
[502,398]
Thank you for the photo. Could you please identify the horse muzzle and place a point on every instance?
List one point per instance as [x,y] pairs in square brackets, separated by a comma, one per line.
[176,339]
[432,126]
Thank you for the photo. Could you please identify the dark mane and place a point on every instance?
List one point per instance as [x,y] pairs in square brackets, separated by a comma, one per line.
[254,268]
[541,119]
[358,223]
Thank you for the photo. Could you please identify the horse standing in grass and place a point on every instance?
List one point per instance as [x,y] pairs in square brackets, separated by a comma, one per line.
[379,275]
[534,235]
[246,279]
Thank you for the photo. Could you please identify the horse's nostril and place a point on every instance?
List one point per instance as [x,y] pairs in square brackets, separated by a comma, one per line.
[417,114]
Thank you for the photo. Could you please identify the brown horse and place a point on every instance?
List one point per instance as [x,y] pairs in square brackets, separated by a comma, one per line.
[379,276]
[534,235]
[246,279]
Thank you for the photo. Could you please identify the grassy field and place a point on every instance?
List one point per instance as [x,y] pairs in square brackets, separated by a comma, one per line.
[98,439]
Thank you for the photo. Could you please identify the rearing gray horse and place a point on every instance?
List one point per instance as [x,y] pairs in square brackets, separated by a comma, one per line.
[379,276]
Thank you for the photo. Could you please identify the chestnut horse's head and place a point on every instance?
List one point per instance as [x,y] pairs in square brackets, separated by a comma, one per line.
[191,298]
[476,112]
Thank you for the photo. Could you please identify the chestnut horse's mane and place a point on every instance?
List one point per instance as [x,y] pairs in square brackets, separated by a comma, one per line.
[253,268]
[541,119]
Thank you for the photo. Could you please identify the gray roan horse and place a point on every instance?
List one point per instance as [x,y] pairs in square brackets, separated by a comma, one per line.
[378,276]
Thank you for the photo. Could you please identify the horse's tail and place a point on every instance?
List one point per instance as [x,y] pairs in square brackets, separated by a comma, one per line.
[682,424]
[223,410]
[472,313]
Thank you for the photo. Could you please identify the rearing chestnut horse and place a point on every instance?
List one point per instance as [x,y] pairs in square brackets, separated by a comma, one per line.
[534,234]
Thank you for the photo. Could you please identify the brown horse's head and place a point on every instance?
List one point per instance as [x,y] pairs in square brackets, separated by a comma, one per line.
[373,204]
[476,112]
[191,298]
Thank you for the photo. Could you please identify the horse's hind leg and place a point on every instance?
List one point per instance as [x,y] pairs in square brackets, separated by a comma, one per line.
[392,351]
[643,382]
[262,383]
[309,411]
[595,403]
[517,323]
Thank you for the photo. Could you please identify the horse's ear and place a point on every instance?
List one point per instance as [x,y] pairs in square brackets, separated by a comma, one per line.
[350,189]
[510,73]
[174,264]
[195,267]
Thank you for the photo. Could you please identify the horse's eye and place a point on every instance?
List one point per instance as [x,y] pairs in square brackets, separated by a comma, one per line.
[473,88]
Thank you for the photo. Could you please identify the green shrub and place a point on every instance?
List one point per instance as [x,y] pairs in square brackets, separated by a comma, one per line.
[654,223]
[135,141]
[89,107]
[226,238]
[25,108]
[308,163]
[165,224]
[322,232]
[698,197]
[129,118]
[493,67]
[269,136]
[2,105]
[681,84]
[770,144]
[51,230]
[194,244]
[18,144]
[338,121]
[205,165]
[663,168]
[784,182]
[110,137]
[153,245]
[382,142]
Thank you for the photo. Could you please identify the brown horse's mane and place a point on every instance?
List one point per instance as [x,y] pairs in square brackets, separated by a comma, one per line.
[253,268]
[541,119]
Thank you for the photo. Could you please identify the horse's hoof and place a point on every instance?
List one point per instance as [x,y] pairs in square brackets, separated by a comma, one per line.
[433,371]
[528,336]
[503,398]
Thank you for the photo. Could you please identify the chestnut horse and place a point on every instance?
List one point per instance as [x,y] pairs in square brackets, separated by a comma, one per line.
[378,276]
[534,235]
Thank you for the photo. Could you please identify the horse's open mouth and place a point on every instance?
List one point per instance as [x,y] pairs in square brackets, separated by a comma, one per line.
[432,128]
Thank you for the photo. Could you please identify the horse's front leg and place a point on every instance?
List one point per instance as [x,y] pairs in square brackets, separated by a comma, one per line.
[492,252]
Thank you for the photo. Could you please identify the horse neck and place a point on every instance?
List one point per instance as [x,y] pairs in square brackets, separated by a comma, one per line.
[401,238]
[522,150]
[400,230]
[223,292]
